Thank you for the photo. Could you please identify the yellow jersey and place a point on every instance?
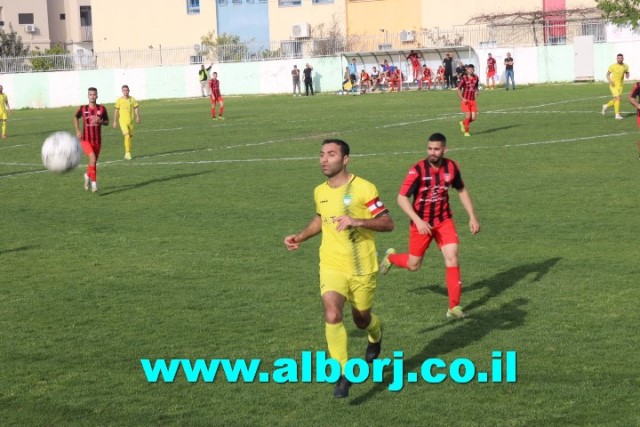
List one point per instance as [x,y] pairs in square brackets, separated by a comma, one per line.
[617,73]
[4,100]
[126,106]
[353,250]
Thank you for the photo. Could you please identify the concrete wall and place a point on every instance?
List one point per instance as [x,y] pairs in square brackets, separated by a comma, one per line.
[56,89]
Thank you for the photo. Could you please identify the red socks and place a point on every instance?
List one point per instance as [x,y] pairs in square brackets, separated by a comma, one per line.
[454,285]
[399,260]
[92,172]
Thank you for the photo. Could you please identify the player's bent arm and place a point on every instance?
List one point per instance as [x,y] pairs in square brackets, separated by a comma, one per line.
[467,204]
[292,242]
[633,101]
[115,117]
[407,207]
[382,222]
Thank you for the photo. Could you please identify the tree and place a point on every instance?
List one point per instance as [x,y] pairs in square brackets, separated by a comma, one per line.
[621,12]
[223,48]
[12,51]
[56,58]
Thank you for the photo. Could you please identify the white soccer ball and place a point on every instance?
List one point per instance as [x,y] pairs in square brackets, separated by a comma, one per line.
[61,152]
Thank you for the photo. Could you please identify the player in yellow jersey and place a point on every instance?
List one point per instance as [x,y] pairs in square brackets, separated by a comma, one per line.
[348,212]
[125,113]
[615,76]
[5,111]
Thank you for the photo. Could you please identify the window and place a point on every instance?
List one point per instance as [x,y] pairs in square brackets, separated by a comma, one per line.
[289,2]
[25,18]
[63,16]
[193,7]
[236,1]
[85,16]
[222,2]
[250,1]
[322,1]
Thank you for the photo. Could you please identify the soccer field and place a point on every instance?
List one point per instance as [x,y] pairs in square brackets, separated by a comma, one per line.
[180,255]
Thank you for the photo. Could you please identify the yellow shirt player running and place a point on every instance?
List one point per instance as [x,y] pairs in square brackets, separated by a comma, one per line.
[615,75]
[126,111]
[5,111]
[349,211]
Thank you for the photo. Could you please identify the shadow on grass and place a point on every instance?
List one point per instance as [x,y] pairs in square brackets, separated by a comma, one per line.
[20,249]
[508,316]
[492,130]
[499,283]
[150,182]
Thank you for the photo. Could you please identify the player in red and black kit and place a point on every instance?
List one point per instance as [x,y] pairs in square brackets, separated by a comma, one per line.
[428,183]
[491,72]
[634,99]
[93,117]
[467,92]
[216,97]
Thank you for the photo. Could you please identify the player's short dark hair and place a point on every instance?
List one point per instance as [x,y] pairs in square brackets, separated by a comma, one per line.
[123,86]
[92,89]
[344,147]
[471,66]
[438,137]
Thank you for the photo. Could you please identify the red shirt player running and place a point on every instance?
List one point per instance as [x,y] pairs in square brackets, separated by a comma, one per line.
[216,97]
[467,92]
[427,183]
[93,116]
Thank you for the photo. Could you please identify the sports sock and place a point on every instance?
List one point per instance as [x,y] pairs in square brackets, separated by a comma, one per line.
[399,260]
[213,112]
[454,285]
[4,127]
[221,111]
[92,171]
[616,107]
[337,342]
[466,122]
[127,143]
[374,330]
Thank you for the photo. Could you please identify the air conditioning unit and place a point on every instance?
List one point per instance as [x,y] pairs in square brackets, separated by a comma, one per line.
[407,36]
[30,28]
[385,46]
[301,31]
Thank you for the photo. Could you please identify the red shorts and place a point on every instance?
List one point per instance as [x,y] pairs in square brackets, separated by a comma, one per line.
[217,99]
[638,120]
[90,148]
[469,106]
[444,233]
[491,74]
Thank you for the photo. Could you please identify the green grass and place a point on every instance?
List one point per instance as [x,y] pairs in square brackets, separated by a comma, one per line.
[180,255]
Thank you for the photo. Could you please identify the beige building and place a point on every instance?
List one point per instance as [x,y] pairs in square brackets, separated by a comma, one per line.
[141,24]
[45,23]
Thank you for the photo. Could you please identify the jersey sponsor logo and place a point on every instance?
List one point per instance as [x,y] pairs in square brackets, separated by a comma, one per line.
[347,199]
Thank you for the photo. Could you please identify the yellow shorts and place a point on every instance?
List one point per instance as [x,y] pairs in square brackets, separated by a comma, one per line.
[126,128]
[358,290]
[3,116]
[616,90]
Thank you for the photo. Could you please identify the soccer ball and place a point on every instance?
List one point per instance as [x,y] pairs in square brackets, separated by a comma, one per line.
[61,152]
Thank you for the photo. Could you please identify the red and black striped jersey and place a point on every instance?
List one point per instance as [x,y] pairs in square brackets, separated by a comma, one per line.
[429,188]
[214,85]
[469,85]
[491,64]
[635,93]
[92,131]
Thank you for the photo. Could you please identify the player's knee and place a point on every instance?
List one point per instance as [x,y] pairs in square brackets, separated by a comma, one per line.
[332,316]
[414,266]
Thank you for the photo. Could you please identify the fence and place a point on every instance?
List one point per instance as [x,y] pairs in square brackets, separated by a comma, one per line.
[481,36]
